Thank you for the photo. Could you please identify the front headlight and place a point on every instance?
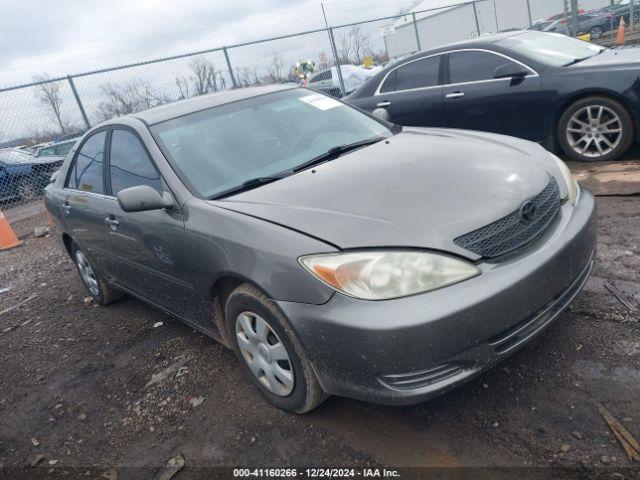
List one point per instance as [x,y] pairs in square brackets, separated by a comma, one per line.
[383,275]
[572,186]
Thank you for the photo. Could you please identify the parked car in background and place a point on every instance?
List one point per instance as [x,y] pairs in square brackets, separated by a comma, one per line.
[327,81]
[55,149]
[558,16]
[545,87]
[621,9]
[595,25]
[540,25]
[23,176]
[334,252]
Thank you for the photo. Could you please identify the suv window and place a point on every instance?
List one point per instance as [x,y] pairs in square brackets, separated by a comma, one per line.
[416,74]
[474,66]
[129,164]
[86,172]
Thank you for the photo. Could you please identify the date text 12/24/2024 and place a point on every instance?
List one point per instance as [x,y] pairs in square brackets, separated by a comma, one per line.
[315,473]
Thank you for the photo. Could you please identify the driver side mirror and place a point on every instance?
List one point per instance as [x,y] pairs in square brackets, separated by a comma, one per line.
[143,198]
[510,70]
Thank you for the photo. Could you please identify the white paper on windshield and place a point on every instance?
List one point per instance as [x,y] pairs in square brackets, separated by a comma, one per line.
[321,102]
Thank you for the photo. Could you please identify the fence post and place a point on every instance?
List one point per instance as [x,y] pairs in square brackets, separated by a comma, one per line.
[529,12]
[233,77]
[574,17]
[80,106]
[475,14]
[336,61]
[415,29]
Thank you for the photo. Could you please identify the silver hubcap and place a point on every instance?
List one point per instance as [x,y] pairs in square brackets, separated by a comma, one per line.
[594,131]
[264,354]
[86,272]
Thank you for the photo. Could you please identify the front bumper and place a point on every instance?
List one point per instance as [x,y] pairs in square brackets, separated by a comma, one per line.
[408,350]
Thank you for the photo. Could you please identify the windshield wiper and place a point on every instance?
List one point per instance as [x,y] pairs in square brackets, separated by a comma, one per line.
[336,152]
[250,184]
[575,60]
[578,60]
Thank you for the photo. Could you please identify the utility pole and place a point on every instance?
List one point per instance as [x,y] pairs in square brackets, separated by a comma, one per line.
[574,17]
[336,59]
[495,14]
[529,12]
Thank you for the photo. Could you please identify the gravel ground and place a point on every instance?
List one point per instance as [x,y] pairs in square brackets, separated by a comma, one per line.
[75,392]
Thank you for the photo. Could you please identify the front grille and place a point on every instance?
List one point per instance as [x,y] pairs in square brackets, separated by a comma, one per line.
[511,232]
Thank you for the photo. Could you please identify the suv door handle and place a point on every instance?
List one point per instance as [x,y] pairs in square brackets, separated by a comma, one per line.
[455,95]
[112,222]
[383,104]
[66,208]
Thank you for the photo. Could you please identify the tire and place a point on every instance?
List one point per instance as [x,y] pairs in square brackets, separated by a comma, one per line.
[596,32]
[101,292]
[305,393]
[595,128]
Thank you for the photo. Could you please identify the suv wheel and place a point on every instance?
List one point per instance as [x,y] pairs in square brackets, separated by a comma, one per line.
[595,128]
[269,352]
[97,288]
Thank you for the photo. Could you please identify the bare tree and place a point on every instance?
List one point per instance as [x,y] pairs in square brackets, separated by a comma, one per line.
[360,43]
[183,86]
[128,98]
[344,47]
[48,93]
[247,77]
[353,45]
[275,70]
[205,77]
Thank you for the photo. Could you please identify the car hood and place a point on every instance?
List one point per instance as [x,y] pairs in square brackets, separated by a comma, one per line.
[628,57]
[421,188]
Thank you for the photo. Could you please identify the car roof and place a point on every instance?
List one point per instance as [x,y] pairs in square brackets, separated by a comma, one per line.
[203,102]
[477,42]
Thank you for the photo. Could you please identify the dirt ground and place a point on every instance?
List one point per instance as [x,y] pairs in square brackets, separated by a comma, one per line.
[75,397]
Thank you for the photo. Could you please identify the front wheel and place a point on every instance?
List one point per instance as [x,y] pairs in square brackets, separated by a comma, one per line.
[270,353]
[595,128]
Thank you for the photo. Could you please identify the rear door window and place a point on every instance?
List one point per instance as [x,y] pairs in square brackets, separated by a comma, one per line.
[417,74]
[86,171]
[129,164]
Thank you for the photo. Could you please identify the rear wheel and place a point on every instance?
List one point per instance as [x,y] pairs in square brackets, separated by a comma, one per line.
[98,289]
[595,128]
[596,32]
[269,352]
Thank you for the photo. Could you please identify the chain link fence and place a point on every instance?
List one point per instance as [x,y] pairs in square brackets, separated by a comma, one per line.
[39,120]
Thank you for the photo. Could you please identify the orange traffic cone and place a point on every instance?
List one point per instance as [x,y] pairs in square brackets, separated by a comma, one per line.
[620,36]
[8,238]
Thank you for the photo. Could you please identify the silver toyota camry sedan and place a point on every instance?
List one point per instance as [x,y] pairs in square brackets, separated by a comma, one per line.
[335,253]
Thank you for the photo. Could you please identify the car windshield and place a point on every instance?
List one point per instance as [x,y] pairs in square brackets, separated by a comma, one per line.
[551,49]
[219,149]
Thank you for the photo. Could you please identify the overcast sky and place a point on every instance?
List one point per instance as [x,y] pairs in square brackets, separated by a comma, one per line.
[67,36]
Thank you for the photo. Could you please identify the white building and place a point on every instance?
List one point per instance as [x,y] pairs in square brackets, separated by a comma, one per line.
[450,23]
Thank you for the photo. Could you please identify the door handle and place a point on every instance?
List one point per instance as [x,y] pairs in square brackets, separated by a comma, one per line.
[112,222]
[383,104]
[67,209]
[455,95]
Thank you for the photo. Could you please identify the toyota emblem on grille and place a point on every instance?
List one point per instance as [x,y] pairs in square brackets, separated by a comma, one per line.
[527,211]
